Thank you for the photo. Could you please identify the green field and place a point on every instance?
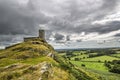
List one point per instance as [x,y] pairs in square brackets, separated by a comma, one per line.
[98,68]
[118,52]
[104,75]
[91,65]
[80,56]
[79,52]
[101,58]
[94,65]
[116,55]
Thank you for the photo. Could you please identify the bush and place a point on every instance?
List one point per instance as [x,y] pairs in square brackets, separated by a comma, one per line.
[83,65]
[108,65]
[115,69]
[113,66]
[76,59]
[99,60]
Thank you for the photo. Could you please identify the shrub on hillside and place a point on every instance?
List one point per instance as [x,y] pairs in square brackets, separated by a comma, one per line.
[113,66]
[83,65]
[115,69]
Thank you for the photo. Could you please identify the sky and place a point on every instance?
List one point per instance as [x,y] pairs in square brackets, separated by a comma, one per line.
[79,19]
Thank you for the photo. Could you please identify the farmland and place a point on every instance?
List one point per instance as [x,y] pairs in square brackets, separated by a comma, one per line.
[116,55]
[91,65]
[94,61]
[101,58]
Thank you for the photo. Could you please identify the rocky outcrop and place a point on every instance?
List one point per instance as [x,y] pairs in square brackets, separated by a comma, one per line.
[51,55]
[45,71]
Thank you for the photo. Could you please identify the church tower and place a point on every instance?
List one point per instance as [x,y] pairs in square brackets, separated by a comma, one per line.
[42,31]
[42,34]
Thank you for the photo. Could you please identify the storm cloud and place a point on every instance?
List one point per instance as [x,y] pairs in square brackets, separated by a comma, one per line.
[58,36]
[80,17]
[19,19]
[23,17]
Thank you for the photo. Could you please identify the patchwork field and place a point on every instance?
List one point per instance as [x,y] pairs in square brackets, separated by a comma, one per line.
[116,55]
[91,65]
[95,64]
[80,56]
[101,58]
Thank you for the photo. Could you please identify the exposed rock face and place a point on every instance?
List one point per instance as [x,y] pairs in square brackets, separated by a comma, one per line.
[46,71]
[51,55]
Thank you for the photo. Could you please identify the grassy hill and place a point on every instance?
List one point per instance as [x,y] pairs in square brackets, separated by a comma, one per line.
[37,60]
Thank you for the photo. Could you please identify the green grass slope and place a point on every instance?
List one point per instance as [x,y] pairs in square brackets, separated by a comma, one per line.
[37,60]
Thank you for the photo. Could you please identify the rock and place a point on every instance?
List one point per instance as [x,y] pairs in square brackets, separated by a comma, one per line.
[51,55]
[46,71]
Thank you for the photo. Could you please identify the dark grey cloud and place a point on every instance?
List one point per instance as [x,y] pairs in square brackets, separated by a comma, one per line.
[107,7]
[6,40]
[19,19]
[111,26]
[58,36]
[25,19]
[118,35]
[85,16]
[68,16]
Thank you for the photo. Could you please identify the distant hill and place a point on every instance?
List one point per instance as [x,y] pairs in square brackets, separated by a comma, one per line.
[37,60]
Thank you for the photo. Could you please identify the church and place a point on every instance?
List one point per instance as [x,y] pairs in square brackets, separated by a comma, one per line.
[41,36]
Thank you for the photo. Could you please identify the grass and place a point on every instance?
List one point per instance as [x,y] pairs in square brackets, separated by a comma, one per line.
[32,61]
[80,56]
[104,75]
[116,55]
[37,53]
[25,61]
[35,61]
[5,62]
[91,65]
[62,54]
[93,53]
[101,58]
[97,68]
[79,52]
[25,52]
[118,51]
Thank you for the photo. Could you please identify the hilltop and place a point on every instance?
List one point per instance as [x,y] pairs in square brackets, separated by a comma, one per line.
[37,60]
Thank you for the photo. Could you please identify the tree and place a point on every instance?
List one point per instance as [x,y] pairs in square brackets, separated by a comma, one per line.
[115,69]
[83,65]
[76,59]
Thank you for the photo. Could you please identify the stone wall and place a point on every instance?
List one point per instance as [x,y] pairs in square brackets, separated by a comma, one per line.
[41,36]
[30,39]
